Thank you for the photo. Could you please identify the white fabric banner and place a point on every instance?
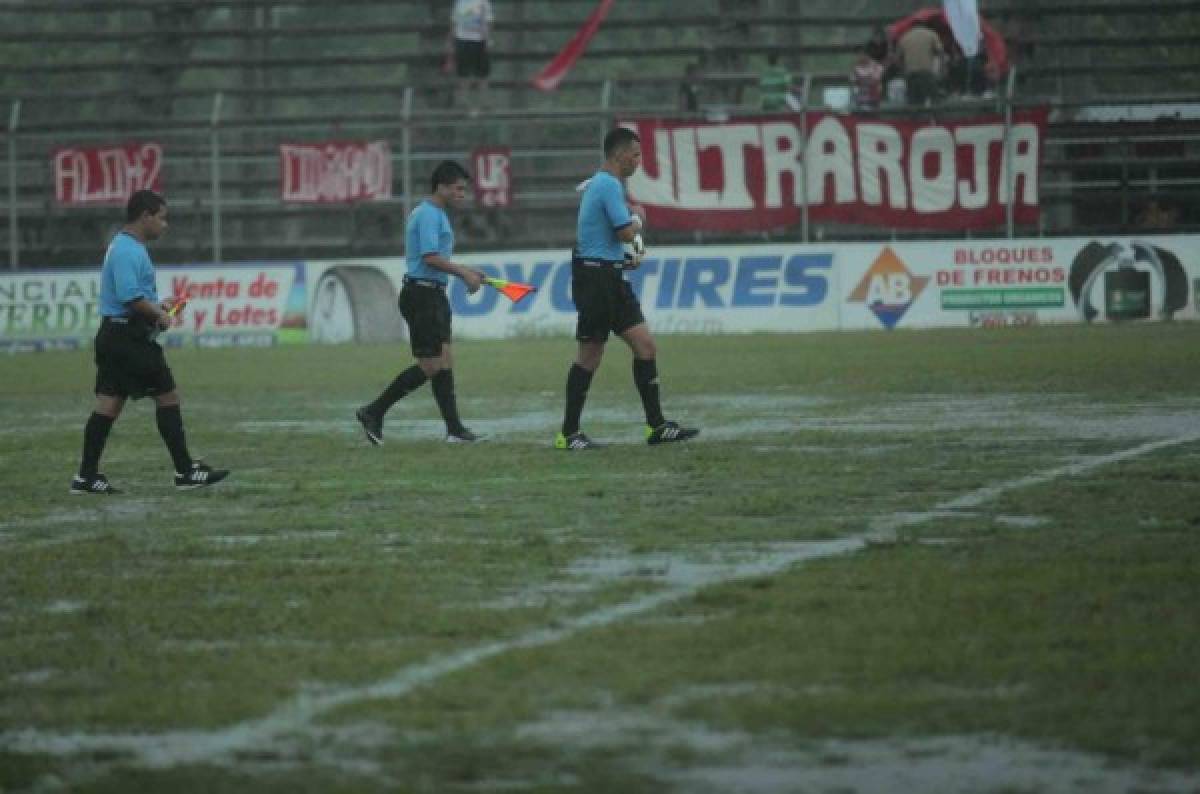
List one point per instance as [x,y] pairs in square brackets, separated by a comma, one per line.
[963,16]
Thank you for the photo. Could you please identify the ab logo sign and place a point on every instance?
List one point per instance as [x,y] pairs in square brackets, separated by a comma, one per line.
[888,288]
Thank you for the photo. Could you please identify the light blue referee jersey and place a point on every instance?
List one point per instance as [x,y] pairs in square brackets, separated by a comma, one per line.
[126,276]
[602,213]
[428,232]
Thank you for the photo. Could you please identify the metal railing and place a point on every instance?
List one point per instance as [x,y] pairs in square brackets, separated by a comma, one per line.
[235,149]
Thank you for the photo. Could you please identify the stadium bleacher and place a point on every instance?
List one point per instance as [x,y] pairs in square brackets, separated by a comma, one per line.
[115,70]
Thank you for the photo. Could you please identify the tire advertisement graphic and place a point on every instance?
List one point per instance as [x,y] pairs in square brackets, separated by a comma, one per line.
[354,303]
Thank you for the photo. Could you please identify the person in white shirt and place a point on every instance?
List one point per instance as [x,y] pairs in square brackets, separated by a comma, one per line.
[471,24]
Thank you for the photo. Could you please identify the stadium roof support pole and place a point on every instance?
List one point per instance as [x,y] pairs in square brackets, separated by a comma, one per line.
[802,188]
[606,95]
[406,147]
[1008,152]
[14,244]
[214,125]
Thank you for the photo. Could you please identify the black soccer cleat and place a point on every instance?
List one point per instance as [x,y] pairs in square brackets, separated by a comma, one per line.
[576,440]
[669,431]
[462,436]
[199,476]
[372,425]
[99,484]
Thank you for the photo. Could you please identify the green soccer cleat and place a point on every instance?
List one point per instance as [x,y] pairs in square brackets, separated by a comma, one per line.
[575,441]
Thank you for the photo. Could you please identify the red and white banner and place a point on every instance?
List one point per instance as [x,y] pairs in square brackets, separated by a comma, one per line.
[106,174]
[243,299]
[335,171]
[553,73]
[748,174]
[493,175]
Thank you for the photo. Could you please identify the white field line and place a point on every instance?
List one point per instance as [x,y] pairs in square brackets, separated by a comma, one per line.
[987,493]
[190,747]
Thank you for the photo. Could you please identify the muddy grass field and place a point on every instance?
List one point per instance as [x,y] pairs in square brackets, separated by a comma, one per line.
[951,561]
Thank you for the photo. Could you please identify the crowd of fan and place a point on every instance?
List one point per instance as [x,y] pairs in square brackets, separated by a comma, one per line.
[916,69]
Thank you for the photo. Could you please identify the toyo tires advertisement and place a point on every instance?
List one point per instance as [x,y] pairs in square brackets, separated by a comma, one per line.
[790,288]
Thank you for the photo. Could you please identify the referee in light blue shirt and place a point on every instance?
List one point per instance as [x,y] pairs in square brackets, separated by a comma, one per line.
[429,244]
[129,362]
[605,300]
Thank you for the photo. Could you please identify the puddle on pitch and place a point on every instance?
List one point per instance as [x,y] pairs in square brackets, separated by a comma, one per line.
[65,607]
[688,756]
[1022,522]
[681,570]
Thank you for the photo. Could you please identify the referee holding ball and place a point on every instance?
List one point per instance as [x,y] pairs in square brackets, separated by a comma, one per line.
[605,301]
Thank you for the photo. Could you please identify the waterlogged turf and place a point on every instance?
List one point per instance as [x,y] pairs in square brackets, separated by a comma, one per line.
[963,559]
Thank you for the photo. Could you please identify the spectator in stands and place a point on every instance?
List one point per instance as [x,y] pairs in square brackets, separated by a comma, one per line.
[920,55]
[774,85]
[954,73]
[880,48]
[978,72]
[866,81]
[1158,215]
[471,24]
[689,89]
[967,75]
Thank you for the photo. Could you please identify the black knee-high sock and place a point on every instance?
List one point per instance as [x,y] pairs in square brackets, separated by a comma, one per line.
[443,392]
[578,381]
[170,427]
[407,381]
[645,377]
[95,434]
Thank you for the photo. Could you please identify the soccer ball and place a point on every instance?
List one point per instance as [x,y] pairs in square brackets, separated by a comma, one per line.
[634,252]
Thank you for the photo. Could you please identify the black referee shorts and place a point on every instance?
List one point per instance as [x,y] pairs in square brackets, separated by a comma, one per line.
[471,58]
[129,363]
[605,301]
[427,312]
